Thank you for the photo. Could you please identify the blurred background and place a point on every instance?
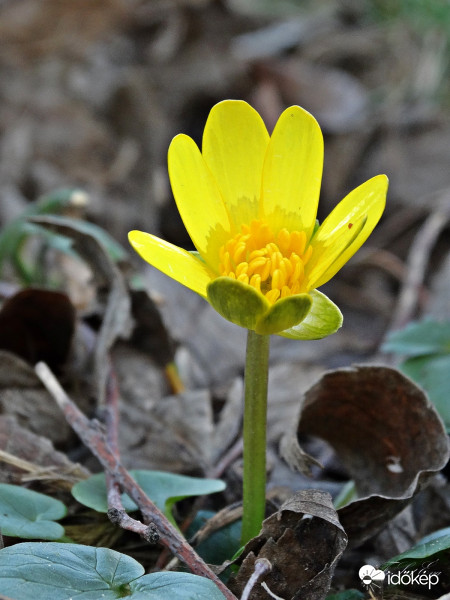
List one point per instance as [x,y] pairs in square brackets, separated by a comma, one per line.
[93,91]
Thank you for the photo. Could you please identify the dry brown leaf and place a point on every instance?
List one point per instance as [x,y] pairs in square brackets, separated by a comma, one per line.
[25,456]
[149,333]
[23,397]
[157,431]
[116,321]
[383,429]
[303,542]
[38,325]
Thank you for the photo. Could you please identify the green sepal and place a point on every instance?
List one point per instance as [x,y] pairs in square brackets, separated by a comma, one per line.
[237,302]
[323,319]
[284,314]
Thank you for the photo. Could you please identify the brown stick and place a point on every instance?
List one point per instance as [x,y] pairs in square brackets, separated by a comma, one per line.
[116,512]
[111,420]
[93,436]
[418,259]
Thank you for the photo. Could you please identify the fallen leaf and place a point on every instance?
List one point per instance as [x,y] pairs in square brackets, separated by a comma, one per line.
[112,289]
[23,397]
[168,433]
[38,325]
[385,432]
[303,541]
[25,456]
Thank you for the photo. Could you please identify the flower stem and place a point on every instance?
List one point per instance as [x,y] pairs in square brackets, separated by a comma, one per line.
[255,419]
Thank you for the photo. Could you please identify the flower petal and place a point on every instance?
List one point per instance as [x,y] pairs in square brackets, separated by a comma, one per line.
[237,302]
[173,261]
[234,145]
[293,171]
[285,313]
[323,319]
[345,230]
[198,198]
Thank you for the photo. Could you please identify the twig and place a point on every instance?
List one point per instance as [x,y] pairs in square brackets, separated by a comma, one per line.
[92,435]
[227,459]
[61,476]
[111,420]
[418,259]
[213,473]
[119,517]
[116,512]
[262,567]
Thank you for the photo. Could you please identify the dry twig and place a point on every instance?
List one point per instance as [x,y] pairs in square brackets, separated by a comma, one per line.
[93,436]
[417,262]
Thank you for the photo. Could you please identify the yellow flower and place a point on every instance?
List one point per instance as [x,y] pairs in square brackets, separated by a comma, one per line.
[249,203]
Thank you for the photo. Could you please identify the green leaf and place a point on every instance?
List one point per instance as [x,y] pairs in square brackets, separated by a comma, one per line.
[175,586]
[346,495]
[346,595]
[92,493]
[237,302]
[420,338]
[113,248]
[437,543]
[432,373]
[164,489]
[323,319]
[285,313]
[221,545]
[438,536]
[52,240]
[56,571]
[15,233]
[28,514]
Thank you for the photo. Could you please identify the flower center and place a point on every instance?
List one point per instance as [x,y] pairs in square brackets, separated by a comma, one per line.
[274,265]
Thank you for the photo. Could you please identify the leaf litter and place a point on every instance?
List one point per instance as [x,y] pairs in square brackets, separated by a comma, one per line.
[391,444]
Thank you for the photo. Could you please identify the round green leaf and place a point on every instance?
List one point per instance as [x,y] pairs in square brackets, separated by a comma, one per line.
[323,319]
[56,571]
[285,313]
[28,514]
[92,493]
[175,586]
[237,302]
[432,372]
[420,338]
[164,489]
[221,545]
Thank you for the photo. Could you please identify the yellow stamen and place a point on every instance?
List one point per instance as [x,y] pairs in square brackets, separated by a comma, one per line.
[256,264]
[239,252]
[284,240]
[285,291]
[241,268]
[273,265]
[255,282]
[272,296]
[277,279]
